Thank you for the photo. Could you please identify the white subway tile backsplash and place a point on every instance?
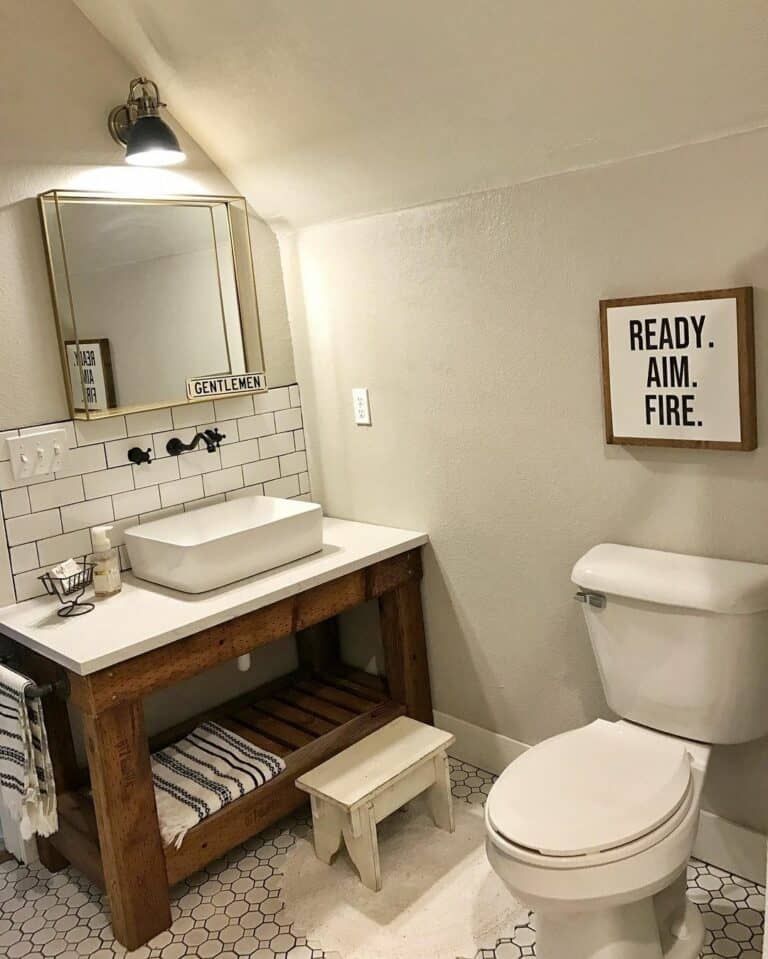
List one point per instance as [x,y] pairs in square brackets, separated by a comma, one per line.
[233,407]
[158,471]
[181,491]
[49,518]
[160,514]
[238,453]
[201,461]
[254,426]
[276,445]
[256,490]
[288,420]
[84,459]
[136,502]
[24,558]
[57,493]
[99,431]
[278,399]
[205,501]
[150,421]
[15,502]
[93,512]
[28,585]
[117,450]
[192,414]
[223,480]
[293,463]
[26,529]
[107,482]
[261,471]
[287,486]
[59,548]
[295,396]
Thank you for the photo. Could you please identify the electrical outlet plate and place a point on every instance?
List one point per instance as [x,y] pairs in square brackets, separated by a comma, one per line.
[37,454]
[361,406]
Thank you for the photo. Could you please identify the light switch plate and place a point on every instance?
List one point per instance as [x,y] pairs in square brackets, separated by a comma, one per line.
[361,406]
[37,454]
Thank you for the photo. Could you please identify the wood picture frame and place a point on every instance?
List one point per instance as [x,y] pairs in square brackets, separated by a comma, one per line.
[727,388]
[104,388]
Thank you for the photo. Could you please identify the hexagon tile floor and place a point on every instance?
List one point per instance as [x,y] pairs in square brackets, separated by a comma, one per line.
[232,909]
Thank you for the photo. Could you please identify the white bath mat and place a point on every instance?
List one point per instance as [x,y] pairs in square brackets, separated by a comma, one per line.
[440,898]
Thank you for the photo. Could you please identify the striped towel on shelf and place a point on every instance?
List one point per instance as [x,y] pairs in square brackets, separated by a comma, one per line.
[27,788]
[202,772]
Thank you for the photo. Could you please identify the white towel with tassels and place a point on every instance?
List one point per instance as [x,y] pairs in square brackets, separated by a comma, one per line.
[202,772]
[27,788]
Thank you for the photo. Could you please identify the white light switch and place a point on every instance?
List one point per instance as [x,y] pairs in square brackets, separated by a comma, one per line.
[362,407]
[37,454]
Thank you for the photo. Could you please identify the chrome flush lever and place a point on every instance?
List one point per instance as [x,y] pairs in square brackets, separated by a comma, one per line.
[594,599]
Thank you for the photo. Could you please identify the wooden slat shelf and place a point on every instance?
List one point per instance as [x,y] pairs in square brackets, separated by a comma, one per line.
[297,717]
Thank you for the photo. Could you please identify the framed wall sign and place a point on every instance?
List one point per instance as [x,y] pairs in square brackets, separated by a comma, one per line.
[90,363]
[202,387]
[679,370]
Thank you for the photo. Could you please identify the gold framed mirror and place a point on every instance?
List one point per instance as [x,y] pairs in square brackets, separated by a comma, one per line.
[148,293]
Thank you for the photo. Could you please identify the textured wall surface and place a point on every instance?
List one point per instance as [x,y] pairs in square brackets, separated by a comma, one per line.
[474,325]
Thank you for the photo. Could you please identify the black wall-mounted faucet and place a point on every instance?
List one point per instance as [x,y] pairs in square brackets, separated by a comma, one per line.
[211,438]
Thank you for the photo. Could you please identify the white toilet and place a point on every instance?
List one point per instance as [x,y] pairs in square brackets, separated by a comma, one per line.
[593,828]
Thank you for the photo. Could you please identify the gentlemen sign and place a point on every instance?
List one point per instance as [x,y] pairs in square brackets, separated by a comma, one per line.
[200,387]
[679,370]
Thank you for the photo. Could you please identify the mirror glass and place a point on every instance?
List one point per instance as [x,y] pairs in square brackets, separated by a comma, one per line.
[147,294]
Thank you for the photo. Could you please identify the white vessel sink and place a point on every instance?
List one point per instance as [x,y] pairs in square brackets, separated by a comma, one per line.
[217,545]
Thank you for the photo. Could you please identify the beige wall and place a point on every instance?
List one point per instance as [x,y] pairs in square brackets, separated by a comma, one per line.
[474,324]
[58,80]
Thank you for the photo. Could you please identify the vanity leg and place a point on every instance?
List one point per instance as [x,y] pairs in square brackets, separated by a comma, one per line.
[129,835]
[405,649]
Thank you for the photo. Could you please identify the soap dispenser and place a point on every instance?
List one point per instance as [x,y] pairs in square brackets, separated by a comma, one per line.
[106,559]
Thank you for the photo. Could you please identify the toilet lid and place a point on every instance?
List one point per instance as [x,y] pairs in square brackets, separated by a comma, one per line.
[590,790]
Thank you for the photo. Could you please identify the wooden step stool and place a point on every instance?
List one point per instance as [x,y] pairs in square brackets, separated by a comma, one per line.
[362,785]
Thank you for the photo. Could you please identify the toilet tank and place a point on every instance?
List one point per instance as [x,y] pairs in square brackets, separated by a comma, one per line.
[681,642]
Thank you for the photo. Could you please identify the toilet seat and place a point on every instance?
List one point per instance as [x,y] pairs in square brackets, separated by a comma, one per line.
[590,791]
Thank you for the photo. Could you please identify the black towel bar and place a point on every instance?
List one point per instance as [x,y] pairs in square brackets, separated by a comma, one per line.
[61,686]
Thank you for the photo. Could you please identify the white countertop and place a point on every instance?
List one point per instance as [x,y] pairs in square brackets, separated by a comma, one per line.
[144,616]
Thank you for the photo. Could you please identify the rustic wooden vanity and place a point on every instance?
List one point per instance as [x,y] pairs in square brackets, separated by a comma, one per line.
[149,638]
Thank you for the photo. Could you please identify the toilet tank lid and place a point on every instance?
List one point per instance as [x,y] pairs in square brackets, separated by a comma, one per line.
[674,579]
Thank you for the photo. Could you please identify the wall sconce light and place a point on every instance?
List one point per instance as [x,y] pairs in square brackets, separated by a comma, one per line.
[136,124]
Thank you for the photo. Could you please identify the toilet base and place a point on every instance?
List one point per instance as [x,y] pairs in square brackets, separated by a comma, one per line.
[630,931]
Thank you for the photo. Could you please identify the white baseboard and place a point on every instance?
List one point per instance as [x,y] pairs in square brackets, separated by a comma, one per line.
[720,842]
[481,747]
[731,847]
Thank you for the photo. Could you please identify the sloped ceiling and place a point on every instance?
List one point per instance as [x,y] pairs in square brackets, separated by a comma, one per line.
[326,109]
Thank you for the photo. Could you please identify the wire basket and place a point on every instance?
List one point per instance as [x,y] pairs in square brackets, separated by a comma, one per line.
[71,586]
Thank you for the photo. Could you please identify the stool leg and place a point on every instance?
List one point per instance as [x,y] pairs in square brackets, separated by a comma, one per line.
[439,798]
[363,846]
[326,826]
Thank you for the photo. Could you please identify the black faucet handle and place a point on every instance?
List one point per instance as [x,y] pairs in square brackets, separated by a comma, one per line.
[139,456]
[214,438]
